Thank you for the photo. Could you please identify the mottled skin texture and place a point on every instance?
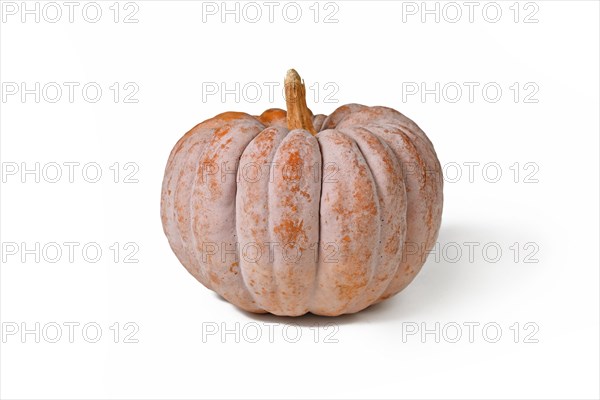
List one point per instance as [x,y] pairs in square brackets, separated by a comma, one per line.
[286,222]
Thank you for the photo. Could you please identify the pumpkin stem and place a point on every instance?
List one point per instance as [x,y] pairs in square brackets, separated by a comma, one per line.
[298,114]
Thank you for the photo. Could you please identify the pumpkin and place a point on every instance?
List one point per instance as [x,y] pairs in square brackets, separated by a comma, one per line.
[290,212]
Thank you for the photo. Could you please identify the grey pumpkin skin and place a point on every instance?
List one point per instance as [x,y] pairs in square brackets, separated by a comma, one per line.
[335,222]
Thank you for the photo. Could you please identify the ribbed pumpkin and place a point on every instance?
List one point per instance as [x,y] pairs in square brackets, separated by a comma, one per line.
[290,213]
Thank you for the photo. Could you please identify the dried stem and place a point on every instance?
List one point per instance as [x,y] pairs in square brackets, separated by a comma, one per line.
[298,114]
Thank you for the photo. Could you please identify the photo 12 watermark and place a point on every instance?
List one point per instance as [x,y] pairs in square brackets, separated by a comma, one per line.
[69,172]
[252,12]
[491,172]
[476,252]
[53,12]
[453,12]
[69,252]
[70,92]
[331,252]
[469,332]
[269,332]
[271,92]
[69,332]
[470,92]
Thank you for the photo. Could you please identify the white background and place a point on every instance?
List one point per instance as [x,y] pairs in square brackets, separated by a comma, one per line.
[371,55]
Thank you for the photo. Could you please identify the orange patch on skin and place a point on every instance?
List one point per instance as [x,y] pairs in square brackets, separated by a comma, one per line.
[348,292]
[220,132]
[365,202]
[214,278]
[290,230]
[273,114]
[293,166]
[393,244]
[339,208]
[213,182]
[233,268]
[215,188]
[226,144]
[207,169]
[265,137]
[264,143]
[230,116]
[303,193]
